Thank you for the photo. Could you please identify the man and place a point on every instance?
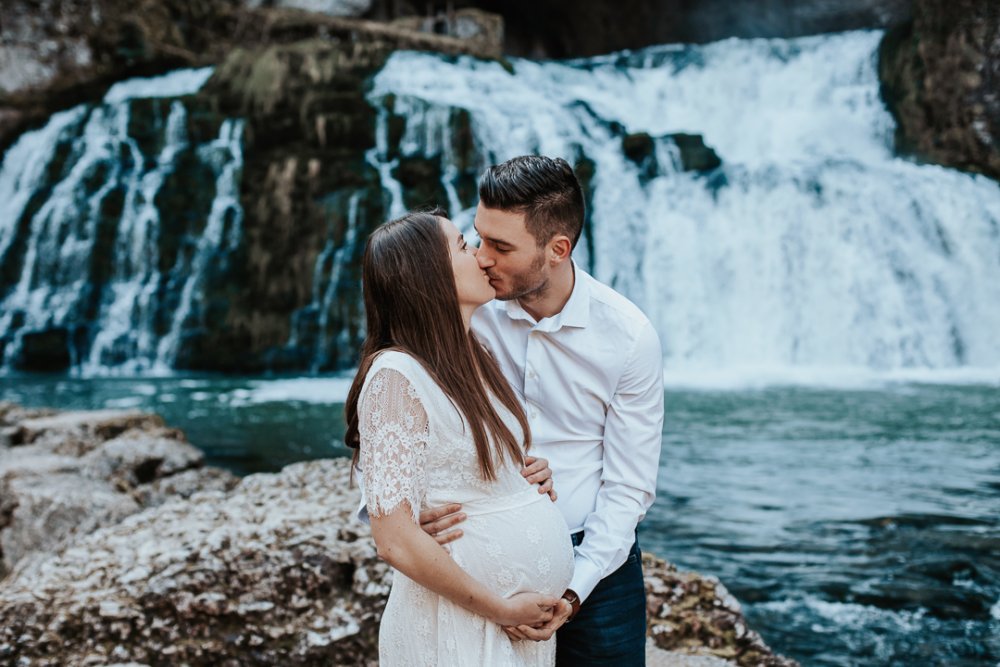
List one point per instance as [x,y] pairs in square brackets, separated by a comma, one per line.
[587,365]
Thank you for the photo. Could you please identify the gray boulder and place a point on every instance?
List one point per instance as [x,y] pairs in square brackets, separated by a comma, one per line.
[63,475]
[274,572]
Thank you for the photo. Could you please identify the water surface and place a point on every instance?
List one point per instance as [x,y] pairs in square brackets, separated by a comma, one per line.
[858,526]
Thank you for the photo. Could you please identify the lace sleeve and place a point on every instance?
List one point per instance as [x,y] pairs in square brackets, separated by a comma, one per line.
[394,432]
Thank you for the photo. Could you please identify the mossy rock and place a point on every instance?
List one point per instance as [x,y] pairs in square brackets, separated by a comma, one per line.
[45,351]
[420,179]
[695,155]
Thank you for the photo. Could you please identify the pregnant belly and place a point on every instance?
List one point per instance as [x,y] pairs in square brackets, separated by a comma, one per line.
[515,544]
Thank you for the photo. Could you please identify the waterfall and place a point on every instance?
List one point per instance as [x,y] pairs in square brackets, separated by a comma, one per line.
[128,311]
[328,277]
[380,158]
[221,236]
[340,259]
[86,268]
[811,247]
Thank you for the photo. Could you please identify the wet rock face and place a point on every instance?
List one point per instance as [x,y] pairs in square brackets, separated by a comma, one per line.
[695,155]
[45,351]
[421,181]
[941,80]
[63,475]
[305,184]
[292,299]
[574,28]
[692,613]
[692,154]
[55,54]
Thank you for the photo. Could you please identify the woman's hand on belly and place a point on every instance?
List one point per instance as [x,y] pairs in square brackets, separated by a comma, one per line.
[526,606]
[401,543]
[545,631]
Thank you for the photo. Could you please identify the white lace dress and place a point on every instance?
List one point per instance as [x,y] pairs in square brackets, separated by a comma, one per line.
[414,447]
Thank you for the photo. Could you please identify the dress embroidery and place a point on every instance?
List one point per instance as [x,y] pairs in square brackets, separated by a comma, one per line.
[393,429]
[416,448]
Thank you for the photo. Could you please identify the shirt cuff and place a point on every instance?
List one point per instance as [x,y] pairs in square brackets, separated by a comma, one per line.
[362,513]
[586,576]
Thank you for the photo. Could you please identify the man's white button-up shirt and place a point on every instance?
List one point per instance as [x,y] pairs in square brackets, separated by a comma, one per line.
[591,381]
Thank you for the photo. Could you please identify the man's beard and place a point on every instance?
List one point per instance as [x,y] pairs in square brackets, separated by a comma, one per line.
[528,284]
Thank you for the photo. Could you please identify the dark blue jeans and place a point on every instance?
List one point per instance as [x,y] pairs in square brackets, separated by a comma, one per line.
[610,628]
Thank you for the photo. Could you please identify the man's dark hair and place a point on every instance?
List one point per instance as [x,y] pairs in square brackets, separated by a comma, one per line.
[544,189]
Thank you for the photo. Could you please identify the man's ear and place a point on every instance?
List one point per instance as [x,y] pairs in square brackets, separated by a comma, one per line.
[560,249]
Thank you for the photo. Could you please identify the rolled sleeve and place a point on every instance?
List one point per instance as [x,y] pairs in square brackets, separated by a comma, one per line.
[361,514]
[632,436]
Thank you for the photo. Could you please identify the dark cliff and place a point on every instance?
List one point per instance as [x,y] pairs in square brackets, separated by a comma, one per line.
[941,80]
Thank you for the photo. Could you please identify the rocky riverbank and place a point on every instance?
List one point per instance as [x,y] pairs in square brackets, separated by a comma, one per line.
[66,474]
[121,546]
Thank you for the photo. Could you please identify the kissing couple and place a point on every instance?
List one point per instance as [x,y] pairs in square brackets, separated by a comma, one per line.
[473,358]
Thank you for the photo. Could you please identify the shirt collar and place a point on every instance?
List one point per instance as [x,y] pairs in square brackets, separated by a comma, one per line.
[576,312]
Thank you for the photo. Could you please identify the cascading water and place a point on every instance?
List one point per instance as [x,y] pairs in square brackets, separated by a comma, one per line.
[811,248]
[89,186]
[221,236]
[328,281]
[379,158]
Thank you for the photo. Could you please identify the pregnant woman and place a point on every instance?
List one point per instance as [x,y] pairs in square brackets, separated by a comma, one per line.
[433,421]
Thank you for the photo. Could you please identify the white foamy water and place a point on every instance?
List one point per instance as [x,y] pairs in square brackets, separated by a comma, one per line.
[104,179]
[23,169]
[833,377]
[812,256]
[306,390]
[223,232]
[847,615]
[333,390]
[173,84]
[812,253]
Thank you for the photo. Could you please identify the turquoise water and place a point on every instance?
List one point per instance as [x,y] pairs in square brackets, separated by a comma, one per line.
[859,526]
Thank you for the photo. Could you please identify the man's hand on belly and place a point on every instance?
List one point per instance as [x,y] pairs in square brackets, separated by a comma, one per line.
[537,471]
[437,521]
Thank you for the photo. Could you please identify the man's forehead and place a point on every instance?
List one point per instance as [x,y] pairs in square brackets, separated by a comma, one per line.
[494,223]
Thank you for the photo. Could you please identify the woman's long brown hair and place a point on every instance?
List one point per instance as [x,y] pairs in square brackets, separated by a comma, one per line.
[411,305]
